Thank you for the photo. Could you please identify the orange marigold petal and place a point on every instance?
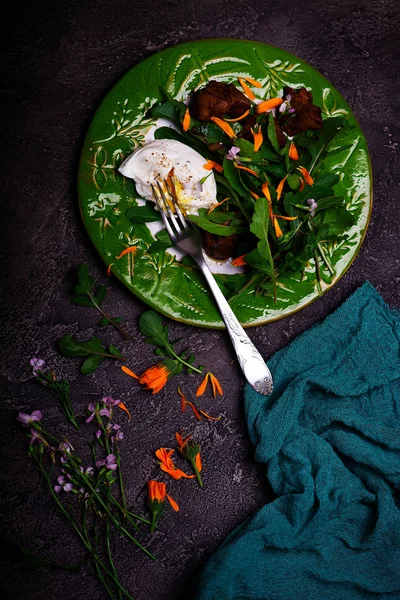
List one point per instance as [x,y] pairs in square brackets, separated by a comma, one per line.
[217,385]
[186,120]
[307,177]
[173,503]
[123,407]
[183,400]
[239,261]
[108,272]
[207,416]
[127,251]
[302,184]
[243,116]
[285,218]
[194,409]
[202,387]
[224,126]
[293,154]
[245,169]
[129,372]
[253,82]
[214,206]
[258,138]
[256,196]
[279,189]
[211,164]
[198,462]
[265,191]
[246,89]
[278,230]
[268,105]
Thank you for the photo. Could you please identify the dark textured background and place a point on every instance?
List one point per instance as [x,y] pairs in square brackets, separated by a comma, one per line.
[59,59]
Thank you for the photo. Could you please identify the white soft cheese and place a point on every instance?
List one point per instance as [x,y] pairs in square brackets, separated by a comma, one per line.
[154,161]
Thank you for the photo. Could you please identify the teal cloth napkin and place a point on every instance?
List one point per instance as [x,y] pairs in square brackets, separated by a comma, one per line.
[329,436]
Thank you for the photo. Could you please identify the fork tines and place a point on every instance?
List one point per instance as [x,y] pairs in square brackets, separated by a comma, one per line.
[165,198]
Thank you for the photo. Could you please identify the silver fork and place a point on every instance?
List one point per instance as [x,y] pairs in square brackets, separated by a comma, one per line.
[187,237]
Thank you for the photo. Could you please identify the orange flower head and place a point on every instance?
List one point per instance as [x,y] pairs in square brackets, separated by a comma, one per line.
[157,496]
[155,378]
[167,464]
[157,490]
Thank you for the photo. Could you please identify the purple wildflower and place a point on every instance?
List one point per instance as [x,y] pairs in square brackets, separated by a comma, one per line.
[313,206]
[110,402]
[92,410]
[87,471]
[37,364]
[35,437]
[117,437]
[65,447]
[63,484]
[231,155]
[98,433]
[105,412]
[26,419]
[110,462]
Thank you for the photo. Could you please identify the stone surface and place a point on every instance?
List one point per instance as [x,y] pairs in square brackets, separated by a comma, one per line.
[59,60]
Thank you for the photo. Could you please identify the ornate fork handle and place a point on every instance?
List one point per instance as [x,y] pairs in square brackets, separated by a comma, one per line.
[251,362]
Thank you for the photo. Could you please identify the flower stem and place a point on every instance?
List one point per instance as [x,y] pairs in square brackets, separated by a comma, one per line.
[121,484]
[107,316]
[199,479]
[153,522]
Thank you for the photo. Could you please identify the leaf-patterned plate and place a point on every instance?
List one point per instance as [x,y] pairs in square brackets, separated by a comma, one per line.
[170,286]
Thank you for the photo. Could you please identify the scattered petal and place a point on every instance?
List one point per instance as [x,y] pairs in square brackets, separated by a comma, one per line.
[243,116]
[123,407]
[248,92]
[127,251]
[239,261]
[207,416]
[224,126]
[202,387]
[268,105]
[293,154]
[186,120]
[129,372]
[172,502]
[245,169]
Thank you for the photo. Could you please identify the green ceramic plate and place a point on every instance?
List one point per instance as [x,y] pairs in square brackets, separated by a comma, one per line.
[120,125]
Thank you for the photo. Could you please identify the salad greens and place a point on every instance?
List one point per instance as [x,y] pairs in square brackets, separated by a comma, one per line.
[283,210]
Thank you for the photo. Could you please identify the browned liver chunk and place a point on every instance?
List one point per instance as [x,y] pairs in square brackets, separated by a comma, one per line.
[218,99]
[219,247]
[307,115]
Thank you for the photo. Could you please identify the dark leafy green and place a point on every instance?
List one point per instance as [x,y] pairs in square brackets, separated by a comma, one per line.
[93,351]
[87,294]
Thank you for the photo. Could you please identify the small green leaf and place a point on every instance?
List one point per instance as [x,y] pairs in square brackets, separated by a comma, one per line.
[82,301]
[100,294]
[91,364]
[151,326]
[143,214]
[159,352]
[114,351]
[272,133]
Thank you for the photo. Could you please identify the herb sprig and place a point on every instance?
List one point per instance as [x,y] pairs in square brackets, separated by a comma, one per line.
[151,326]
[93,350]
[86,294]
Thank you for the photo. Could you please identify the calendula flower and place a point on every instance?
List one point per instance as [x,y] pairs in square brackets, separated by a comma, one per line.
[26,419]
[191,451]
[156,501]
[155,378]
[167,464]
[216,387]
